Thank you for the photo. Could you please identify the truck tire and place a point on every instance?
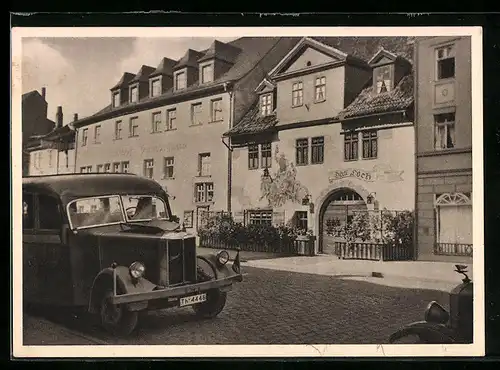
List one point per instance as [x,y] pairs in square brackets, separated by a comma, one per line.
[216,300]
[116,319]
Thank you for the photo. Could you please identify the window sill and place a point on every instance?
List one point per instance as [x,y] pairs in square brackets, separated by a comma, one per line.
[445,151]
[351,160]
[316,163]
[156,132]
[319,101]
[217,121]
[133,136]
[97,142]
[253,168]
[204,204]
[170,129]
[117,138]
[203,176]
[444,80]
[195,124]
[301,164]
[168,178]
[297,106]
[369,158]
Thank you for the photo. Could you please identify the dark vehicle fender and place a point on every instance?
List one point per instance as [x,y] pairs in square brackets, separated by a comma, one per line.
[124,285]
[220,271]
[429,332]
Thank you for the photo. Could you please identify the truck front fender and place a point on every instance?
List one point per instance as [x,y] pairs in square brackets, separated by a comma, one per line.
[428,332]
[220,271]
[124,284]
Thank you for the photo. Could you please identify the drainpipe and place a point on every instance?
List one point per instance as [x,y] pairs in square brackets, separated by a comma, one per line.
[76,148]
[230,153]
[415,133]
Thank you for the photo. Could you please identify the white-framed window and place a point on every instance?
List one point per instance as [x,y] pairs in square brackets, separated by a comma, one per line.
[266,104]
[134,94]
[207,73]
[171,119]
[351,140]
[320,89]
[85,135]
[444,131]
[454,219]
[301,220]
[297,94]
[99,168]
[118,130]
[204,192]
[445,62]
[125,166]
[196,111]
[253,157]
[260,217]
[216,110]
[265,155]
[383,79]
[180,80]
[97,134]
[107,167]
[116,99]
[204,164]
[148,168]
[134,127]
[302,152]
[156,117]
[370,144]
[156,87]
[317,149]
[116,167]
[168,167]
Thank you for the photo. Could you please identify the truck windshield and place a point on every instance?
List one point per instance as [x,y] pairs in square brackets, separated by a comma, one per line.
[105,210]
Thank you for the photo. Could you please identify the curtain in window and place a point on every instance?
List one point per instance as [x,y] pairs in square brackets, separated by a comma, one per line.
[455,224]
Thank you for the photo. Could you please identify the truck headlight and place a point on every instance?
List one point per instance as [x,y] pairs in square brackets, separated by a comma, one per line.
[222,258]
[435,313]
[137,270]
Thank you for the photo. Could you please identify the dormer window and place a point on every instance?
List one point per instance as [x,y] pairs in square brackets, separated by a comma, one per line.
[180,80]
[116,99]
[383,79]
[266,104]
[156,87]
[207,73]
[134,94]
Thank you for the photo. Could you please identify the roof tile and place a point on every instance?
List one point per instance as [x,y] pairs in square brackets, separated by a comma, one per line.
[253,122]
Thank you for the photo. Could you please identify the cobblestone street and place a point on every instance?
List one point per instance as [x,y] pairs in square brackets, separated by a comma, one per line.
[269,307]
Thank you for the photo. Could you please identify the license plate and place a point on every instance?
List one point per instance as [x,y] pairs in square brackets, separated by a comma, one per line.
[187,301]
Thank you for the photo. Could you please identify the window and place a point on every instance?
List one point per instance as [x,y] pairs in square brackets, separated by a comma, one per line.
[97,134]
[134,94]
[28,211]
[301,151]
[266,155]
[351,146]
[445,131]
[301,220]
[204,164]
[148,168]
[100,168]
[85,133]
[188,219]
[317,149]
[266,104]
[107,167]
[49,213]
[260,217]
[383,79]
[320,89]
[180,81]
[83,169]
[454,221]
[156,87]
[168,167]
[297,94]
[116,99]
[204,192]
[96,211]
[207,73]
[202,214]
[216,111]
[196,114]
[116,167]
[157,122]
[134,127]
[125,167]
[171,119]
[118,130]
[369,144]
[253,157]
[445,59]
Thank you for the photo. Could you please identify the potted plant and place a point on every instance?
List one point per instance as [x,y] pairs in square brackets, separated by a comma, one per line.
[305,242]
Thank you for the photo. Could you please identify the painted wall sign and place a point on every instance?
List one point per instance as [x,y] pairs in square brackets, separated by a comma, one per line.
[378,173]
[127,152]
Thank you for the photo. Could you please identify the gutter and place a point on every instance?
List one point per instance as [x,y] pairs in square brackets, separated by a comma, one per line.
[76,148]
[230,154]
[415,133]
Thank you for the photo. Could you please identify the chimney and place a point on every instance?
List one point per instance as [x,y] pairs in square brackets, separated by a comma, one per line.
[75,117]
[43,92]
[59,117]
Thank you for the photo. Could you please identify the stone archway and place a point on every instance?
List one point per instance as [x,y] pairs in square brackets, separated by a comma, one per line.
[337,205]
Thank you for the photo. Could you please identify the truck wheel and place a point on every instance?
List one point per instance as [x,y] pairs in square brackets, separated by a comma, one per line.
[216,300]
[409,339]
[116,319]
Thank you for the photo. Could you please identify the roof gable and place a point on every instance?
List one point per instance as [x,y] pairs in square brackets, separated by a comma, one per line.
[190,59]
[125,80]
[221,51]
[308,53]
[265,86]
[143,74]
[165,67]
[382,57]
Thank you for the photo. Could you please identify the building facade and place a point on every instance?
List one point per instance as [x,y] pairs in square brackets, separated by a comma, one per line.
[444,148]
[34,121]
[54,152]
[167,123]
[332,133]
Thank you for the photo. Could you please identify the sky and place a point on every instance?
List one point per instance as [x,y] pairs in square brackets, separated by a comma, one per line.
[78,72]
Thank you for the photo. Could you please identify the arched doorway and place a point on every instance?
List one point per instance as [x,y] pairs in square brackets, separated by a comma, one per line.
[337,210]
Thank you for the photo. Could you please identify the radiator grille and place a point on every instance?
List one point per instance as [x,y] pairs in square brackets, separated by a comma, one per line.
[177,261]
